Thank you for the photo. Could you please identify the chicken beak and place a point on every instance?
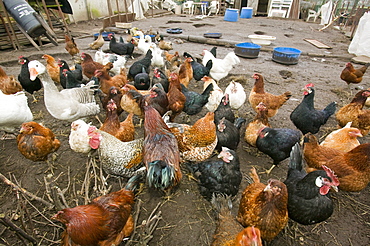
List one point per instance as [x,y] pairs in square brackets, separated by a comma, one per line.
[33,74]
[335,188]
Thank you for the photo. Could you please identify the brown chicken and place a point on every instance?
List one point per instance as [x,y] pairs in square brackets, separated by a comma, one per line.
[351,75]
[125,130]
[186,72]
[196,142]
[107,81]
[259,121]
[89,65]
[71,46]
[8,84]
[229,232]
[161,152]
[169,56]
[36,142]
[157,98]
[105,221]
[264,206]
[354,112]
[131,100]
[344,139]
[52,68]
[258,94]
[115,94]
[176,99]
[173,61]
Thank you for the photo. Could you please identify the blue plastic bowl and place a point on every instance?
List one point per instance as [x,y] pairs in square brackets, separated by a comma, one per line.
[247,50]
[174,30]
[104,34]
[286,55]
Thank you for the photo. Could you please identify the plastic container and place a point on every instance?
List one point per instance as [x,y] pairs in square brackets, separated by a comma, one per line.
[23,14]
[286,55]
[174,30]
[247,50]
[231,15]
[246,13]
[261,39]
[212,35]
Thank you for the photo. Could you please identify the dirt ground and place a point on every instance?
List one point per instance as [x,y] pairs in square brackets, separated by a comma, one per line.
[187,218]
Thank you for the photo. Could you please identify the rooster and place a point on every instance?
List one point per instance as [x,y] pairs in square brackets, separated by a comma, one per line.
[258,94]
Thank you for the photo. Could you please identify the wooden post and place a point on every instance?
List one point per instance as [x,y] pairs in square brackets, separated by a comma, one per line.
[119,14]
[61,15]
[47,14]
[7,31]
[10,24]
[126,11]
[110,12]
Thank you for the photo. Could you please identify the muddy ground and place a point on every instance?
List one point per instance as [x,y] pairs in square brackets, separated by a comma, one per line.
[187,218]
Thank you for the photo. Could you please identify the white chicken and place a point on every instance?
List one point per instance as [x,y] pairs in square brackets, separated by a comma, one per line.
[14,111]
[78,138]
[237,95]
[145,42]
[117,60]
[220,67]
[67,104]
[215,96]
[157,59]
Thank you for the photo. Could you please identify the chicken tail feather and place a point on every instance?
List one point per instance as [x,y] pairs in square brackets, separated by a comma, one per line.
[330,109]
[160,174]
[296,158]
[239,122]
[134,181]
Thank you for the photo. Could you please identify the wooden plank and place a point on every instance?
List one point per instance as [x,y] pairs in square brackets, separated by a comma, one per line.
[317,43]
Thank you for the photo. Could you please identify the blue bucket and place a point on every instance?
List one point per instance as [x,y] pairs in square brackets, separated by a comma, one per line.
[286,55]
[246,12]
[247,50]
[231,15]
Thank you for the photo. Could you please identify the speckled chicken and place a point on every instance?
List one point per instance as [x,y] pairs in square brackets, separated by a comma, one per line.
[196,142]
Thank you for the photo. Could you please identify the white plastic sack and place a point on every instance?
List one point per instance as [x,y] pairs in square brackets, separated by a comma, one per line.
[140,8]
[360,44]
[326,15]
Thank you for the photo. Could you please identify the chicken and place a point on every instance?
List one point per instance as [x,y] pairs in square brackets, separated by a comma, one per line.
[352,75]
[125,130]
[199,71]
[121,48]
[117,61]
[352,168]
[137,66]
[224,110]
[157,99]
[78,140]
[99,42]
[237,95]
[173,61]
[71,46]
[228,230]
[131,100]
[344,139]
[220,67]
[186,72]
[160,77]
[8,84]
[354,112]
[52,68]
[24,78]
[70,80]
[260,121]
[106,81]
[272,102]
[161,152]
[170,57]
[77,73]
[142,80]
[264,206]
[115,94]
[195,101]
[196,142]
[308,198]
[157,59]
[14,111]
[164,45]
[176,99]
[221,176]
[68,104]
[89,65]
[216,95]
[308,119]
[277,143]
[36,142]
[145,42]
[228,134]
[106,220]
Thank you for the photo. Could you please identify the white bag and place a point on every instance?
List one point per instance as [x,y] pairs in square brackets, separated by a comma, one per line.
[360,44]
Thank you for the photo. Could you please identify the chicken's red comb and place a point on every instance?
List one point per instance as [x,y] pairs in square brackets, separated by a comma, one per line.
[310,85]
[331,174]
[20,57]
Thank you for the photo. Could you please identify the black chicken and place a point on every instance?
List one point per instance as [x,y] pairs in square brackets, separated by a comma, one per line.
[142,80]
[121,48]
[306,118]
[199,71]
[157,99]
[308,199]
[160,77]
[228,134]
[277,143]
[70,80]
[218,176]
[195,101]
[137,67]
[77,72]
[224,110]
[24,78]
